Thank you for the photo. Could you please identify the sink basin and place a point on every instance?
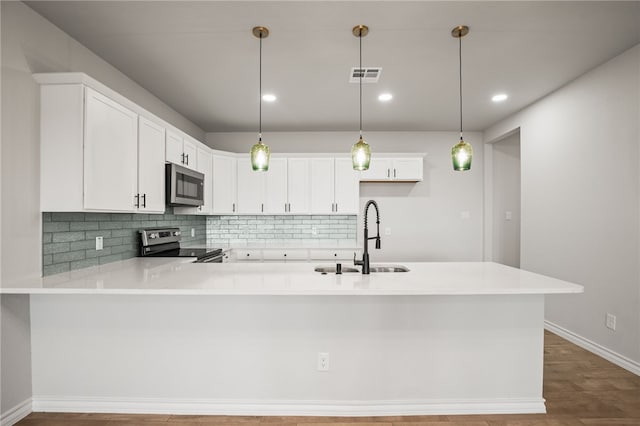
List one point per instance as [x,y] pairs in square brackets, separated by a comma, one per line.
[332,269]
[373,269]
[388,268]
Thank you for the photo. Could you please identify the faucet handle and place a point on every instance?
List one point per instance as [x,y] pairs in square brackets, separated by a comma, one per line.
[357,262]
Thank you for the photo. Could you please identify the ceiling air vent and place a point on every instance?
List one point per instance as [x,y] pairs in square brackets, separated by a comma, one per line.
[369,74]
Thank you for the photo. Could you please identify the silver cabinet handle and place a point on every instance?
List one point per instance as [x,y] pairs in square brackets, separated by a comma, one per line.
[144,201]
[234,207]
[336,207]
[187,155]
[262,208]
[182,155]
[137,202]
[388,173]
[394,172]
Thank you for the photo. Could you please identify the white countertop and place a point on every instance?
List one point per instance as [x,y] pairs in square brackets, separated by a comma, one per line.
[171,276]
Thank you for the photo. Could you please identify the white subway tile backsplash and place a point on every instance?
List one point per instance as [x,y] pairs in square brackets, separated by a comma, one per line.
[282,231]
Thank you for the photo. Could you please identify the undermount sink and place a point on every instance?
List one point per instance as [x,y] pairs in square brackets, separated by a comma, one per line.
[332,269]
[374,268]
[388,268]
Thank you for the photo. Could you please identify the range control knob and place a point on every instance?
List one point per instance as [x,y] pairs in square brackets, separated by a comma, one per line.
[152,236]
[176,233]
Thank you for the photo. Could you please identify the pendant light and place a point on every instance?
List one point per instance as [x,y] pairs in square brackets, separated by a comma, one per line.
[260,153]
[360,152]
[462,152]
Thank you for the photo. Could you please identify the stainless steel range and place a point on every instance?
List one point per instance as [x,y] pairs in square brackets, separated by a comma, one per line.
[165,242]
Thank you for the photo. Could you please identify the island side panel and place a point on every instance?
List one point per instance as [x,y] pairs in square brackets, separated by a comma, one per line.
[258,354]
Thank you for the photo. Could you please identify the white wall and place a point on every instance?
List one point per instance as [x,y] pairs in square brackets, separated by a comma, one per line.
[425,218]
[15,364]
[580,199]
[506,198]
[32,44]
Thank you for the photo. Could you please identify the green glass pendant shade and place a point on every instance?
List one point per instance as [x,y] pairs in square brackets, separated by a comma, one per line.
[260,154]
[360,155]
[461,154]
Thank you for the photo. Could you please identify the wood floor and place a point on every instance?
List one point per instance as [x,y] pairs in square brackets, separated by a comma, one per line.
[580,389]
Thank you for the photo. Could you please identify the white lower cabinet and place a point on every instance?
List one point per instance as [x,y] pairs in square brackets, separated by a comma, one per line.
[284,255]
[331,255]
[294,255]
[242,255]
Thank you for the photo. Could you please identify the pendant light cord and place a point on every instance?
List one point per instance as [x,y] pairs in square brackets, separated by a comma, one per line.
[460,73]
[360,74]
[260,86]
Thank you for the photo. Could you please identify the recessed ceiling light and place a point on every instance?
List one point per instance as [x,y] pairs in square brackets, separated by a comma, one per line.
[499,97]
[269,97]
[385,97]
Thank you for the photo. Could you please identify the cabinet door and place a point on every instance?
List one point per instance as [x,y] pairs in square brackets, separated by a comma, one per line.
[407,169]
[190,154]
[251,188]
[322,185]
[110,154]
[298,185]
[224,184]
[347,187]
[204,165]
[174,148]
[151,151]
[379,170]
[275,197]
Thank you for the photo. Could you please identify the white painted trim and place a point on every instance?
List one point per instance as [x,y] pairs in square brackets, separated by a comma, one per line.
[287,408]
[601,351]
[17,413]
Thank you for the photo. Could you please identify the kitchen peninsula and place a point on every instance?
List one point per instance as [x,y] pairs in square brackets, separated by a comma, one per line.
[165,336]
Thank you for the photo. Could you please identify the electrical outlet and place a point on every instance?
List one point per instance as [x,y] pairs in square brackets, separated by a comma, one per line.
[193,232]
[508,215]
[99,243]
[323,361]
[610,321]
[387,231]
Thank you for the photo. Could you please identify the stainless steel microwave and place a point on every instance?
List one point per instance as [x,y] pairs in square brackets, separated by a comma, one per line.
[185,187]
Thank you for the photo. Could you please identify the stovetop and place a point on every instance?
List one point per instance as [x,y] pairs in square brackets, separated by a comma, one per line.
[165,242]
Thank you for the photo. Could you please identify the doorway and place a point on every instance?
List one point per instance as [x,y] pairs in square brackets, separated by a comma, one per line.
[506,201]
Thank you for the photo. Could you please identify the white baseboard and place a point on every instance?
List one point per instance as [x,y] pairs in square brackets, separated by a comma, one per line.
[287,408]
[17,413]
[601,351]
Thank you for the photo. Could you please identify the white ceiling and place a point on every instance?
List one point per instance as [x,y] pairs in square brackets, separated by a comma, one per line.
[202,60]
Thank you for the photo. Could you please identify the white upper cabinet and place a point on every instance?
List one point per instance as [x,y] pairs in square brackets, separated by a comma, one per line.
[224,184]
[398,169]
[204,165]
[251,188]
[151,152]
[347,187]
[181,150]
[322,185]
[334,186]
[88,151]
[298,184]
[275,189]
[110,154]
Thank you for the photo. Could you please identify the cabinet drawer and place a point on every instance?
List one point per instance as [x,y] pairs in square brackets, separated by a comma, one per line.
[284,255]
[248,255]
[328,254]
